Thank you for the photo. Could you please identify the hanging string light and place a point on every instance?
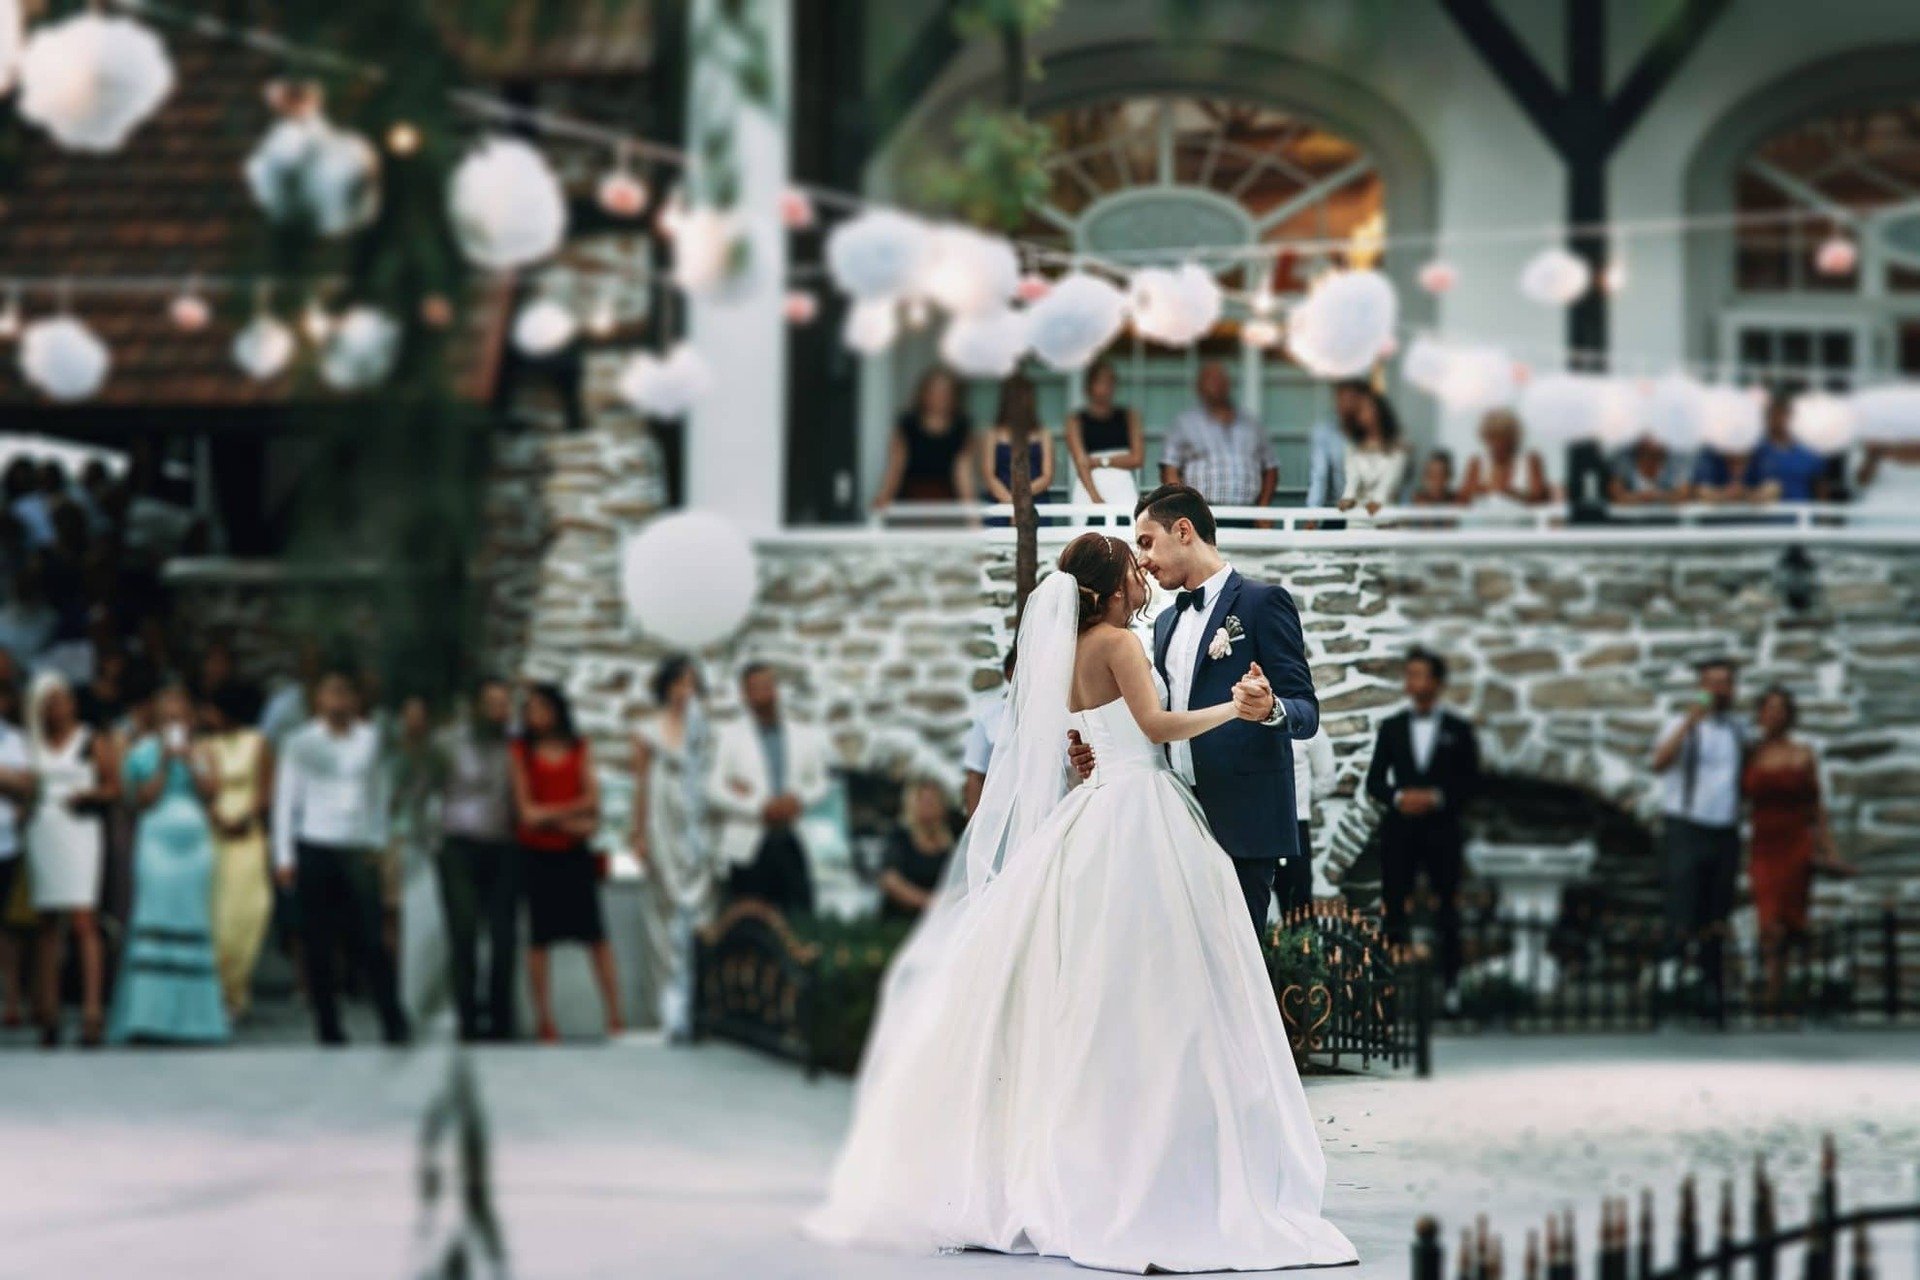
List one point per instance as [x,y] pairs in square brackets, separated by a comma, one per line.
[621,192]
[189,310]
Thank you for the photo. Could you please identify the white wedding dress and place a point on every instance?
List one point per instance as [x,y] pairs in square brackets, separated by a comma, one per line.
[1078,1054]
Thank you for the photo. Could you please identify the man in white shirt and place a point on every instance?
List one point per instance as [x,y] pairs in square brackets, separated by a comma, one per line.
[976,752]
[1217,449]
[330,807]
[1698,756]
[1314,773]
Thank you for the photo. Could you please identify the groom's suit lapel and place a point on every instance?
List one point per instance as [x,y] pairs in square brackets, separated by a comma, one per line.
[1229,593]
[1163,639]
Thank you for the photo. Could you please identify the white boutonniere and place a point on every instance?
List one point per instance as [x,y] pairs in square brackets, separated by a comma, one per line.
[1229,634]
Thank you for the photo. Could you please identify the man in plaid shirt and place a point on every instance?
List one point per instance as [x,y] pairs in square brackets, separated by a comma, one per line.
[1218,450]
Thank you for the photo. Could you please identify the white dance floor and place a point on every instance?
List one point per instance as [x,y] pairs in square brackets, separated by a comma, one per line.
[636,1160]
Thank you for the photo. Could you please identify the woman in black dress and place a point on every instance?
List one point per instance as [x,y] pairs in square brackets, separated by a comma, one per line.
[1107,443]
[928,457]
[917,852]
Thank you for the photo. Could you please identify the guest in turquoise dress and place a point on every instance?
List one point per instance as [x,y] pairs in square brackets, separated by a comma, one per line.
[168,990]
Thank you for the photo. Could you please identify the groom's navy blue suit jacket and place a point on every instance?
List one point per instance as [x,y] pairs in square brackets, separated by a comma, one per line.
[1242,771]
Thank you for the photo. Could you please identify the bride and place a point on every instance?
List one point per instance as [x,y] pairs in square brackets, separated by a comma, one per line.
[1078,1053]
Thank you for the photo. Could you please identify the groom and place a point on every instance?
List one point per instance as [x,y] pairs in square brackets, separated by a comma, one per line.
[1223,633]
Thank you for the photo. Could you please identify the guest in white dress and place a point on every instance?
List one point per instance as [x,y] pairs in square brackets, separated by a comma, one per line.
[670,836]
[1376,456]
[1107,444]
[78,778]
[1506,474]
[1889,483]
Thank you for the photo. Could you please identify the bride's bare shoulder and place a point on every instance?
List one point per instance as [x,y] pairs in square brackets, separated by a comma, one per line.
[1111,642]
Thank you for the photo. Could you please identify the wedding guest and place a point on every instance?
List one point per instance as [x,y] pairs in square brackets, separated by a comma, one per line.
[28,622]
[1106,443]
[77,777]
[1791,834]
[976,752]
[767,772]
[1376,455]
[917,852]
[557,802]
[18,784]
[1795,472]
[1425,771]
[1645,473]
[1889,481]
[418,774]
[1327,469]
[1017,410]
[286,707]
[103,700]
[1314,775]
[670,837]
[479,866]
[169,990]
[1504,474]
[1698,757]
[1435,488]
[218,670]
[1719,476]
[330,811]
[240,762]
[1217,449]
[930,455]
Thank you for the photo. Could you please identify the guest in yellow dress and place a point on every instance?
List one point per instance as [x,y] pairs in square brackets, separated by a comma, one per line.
[242,883]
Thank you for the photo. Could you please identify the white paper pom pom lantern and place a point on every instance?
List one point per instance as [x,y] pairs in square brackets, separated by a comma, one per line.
[1080,315]
[1731,420]
[1824,423]
[189,312]
[665,387]
[1618,412]
[1344,325]
[621,192]
[543,327]
[63,358]
[1174,307]
[1425,364]
[796,209]
[90,81]
[704,249]
[361,350]
[305,167]
[799,307]
[1476,379]
[968,272]
[506,205]
[263,348]
[871,327]
[1260,334]
[688,579]
[1675,409]
[1555,277]
[1888,415]
[985,346]
[1836,256]
[1438,276]
[1561,408]
[878,255]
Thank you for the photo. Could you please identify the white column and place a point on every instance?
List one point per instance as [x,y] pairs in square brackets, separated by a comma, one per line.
[736,454]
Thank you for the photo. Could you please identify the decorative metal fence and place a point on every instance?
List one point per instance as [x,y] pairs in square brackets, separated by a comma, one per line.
[1601,974]
[1347,995]
[1830,1244]
[755,983]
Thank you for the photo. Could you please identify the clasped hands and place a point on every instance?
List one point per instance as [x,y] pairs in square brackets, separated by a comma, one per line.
[1417,802]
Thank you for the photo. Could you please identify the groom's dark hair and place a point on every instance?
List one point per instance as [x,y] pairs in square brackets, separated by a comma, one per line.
[1171,502]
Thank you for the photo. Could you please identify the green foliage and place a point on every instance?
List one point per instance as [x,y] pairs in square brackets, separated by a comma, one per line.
[1295,957]
[989,17]
[853,958]
[998,173]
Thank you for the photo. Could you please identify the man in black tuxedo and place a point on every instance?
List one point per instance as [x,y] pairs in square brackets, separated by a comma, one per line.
[1426,767]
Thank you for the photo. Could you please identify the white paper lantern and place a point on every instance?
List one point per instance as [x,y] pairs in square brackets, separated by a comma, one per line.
[689,579]
[63,358]
[1676,411]
[1438,276]
[1174,307]
[1033,287]
[666,387]
[1344,325]
[189,312]
[1260,334]
[799,307]
[621,192]
[985,346]
[1889,414]
[796,209]
[361,351]
[91,80]
[13,34]
[1836,256]
[1075,321]
[871,327]
[1731,420]
[306,167]
[1824,423]
[1618,418]
[968,272]
[1476,379]
[263,348]
[543,327]
[1425,364]
[704,249]
[1555,277]
[506,205]
[1561,408]
[878,255]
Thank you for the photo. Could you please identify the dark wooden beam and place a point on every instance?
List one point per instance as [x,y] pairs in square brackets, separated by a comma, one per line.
[933,48]
[1504,55]
[1677,40]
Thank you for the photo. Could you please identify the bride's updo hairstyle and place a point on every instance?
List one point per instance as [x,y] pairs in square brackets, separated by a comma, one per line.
[1102,565]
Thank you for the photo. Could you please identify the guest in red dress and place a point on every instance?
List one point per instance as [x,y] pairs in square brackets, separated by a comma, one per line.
[557,807]
[1781,782]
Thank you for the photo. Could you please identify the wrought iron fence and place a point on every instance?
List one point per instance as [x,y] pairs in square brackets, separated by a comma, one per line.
[1830,1243]
[1347,995]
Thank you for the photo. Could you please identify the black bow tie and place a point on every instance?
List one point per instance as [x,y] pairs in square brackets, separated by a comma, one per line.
[1195,600]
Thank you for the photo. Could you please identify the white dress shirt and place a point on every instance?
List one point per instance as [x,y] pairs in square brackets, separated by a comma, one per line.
[329,789]
[1314,772]
[1721,745]
[1183,656]
[1425,728]
[976,752]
